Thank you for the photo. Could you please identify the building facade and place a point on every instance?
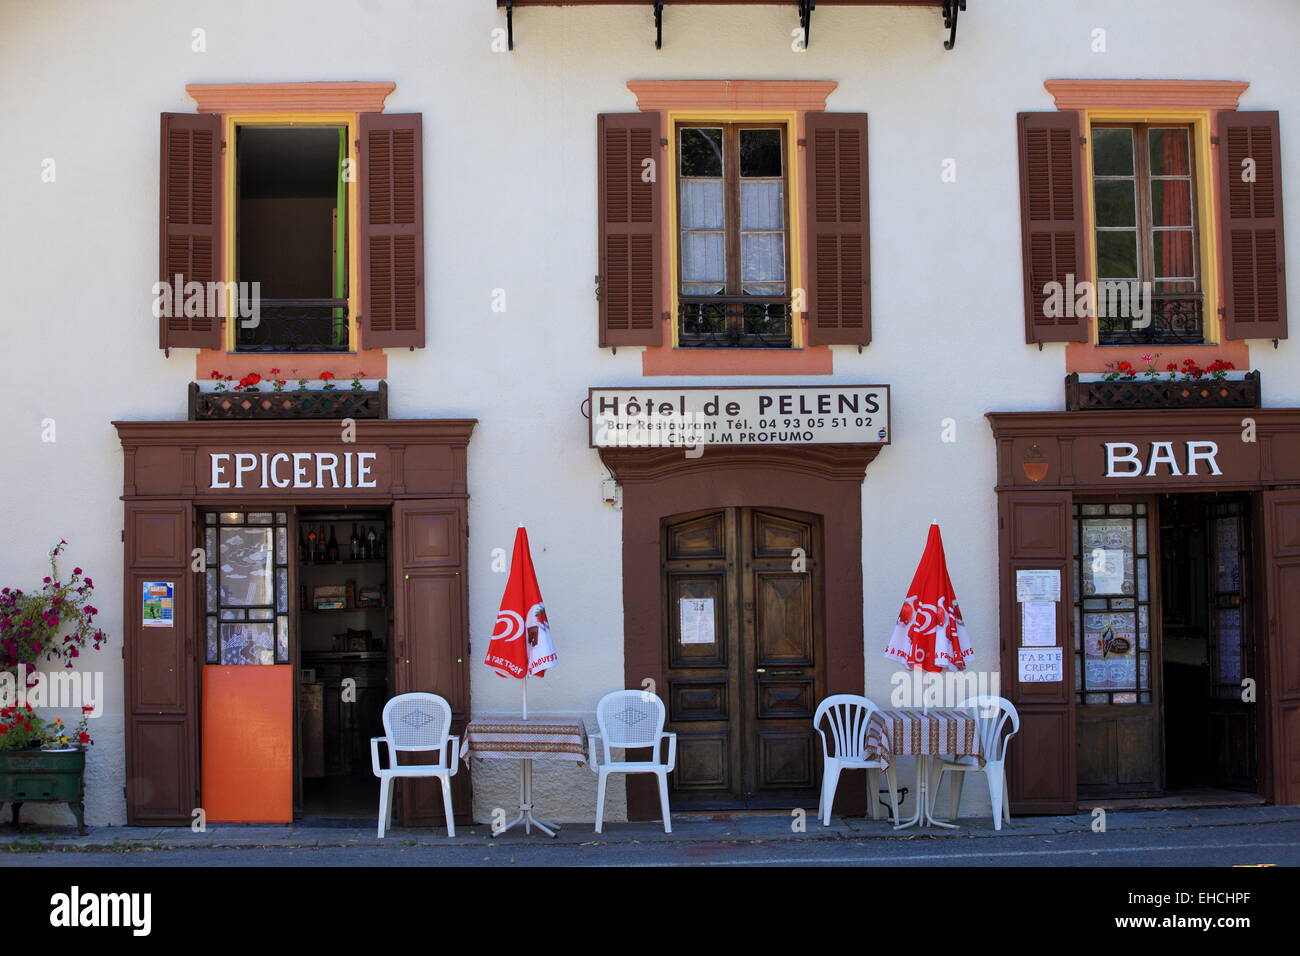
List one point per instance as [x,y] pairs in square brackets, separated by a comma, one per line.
[878,258]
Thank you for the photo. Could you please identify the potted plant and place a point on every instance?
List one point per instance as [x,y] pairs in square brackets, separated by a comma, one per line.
[42,761]
[246,398]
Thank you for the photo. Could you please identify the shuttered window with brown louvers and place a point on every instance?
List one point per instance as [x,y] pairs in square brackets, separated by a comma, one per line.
[839,283]
[1250,211]
[629,204]
[392,231]
[190,223]
[1052,226]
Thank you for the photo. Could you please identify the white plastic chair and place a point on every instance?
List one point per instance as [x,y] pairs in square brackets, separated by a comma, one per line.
[415,722]
[849,716]
[631,720]
[991,715]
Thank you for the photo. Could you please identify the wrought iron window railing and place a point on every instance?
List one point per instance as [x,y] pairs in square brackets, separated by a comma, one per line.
[1176,318]
[294,325]
[736,321]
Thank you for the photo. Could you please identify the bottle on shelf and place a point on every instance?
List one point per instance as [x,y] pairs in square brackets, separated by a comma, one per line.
[311,546]
[370,542]
[354,543]
[332,551]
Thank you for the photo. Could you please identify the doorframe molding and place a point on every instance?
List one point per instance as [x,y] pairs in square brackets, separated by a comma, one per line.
[823,480]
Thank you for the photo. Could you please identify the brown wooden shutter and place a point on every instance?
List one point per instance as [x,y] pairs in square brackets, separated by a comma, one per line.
[190,221]
[159,662]
[628,283]
[431,636]
[1053,239]
[839,280]
[1280,623]
[392,231]
[1250,216]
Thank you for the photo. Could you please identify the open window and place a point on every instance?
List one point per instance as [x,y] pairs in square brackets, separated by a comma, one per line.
[292,233]
[291,227]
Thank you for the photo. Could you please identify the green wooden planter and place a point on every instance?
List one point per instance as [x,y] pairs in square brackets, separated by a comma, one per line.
[44,776]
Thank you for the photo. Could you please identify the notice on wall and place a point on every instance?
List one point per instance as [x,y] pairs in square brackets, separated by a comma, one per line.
[1038,624]
[695,618]
[1040,665]
[157,603]
[1038,585]
[1107,566]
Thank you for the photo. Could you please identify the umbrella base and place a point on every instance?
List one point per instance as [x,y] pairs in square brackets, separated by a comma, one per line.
[526,816]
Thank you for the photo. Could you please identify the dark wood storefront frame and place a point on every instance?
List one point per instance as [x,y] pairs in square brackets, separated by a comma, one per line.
[420,474]
[816,479]
[1047,459]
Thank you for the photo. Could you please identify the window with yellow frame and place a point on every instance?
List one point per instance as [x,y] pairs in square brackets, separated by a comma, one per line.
[1152,240]
[290,232]
[734,230]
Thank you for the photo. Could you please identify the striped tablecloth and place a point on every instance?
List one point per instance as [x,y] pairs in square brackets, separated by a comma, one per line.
[912,733]
[537,738]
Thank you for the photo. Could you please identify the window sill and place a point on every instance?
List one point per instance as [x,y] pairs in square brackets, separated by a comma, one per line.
[1089,357]
[720,360]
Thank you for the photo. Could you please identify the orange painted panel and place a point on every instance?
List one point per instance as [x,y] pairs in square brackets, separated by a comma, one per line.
[247,730]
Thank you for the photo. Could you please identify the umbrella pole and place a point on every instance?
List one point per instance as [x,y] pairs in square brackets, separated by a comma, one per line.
[525,690]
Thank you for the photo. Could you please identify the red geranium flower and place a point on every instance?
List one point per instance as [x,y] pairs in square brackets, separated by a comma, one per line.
[326,375]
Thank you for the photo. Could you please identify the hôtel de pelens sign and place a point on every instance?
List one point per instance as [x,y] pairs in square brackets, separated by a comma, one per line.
[739,415]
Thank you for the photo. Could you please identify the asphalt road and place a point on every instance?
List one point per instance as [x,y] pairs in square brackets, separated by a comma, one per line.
[1215,846]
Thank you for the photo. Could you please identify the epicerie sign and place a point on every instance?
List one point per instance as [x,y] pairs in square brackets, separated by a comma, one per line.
[313,469]
[738,415]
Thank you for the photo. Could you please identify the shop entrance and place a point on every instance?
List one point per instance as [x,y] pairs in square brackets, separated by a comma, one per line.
[1164,594]
[297,667]
[743,642]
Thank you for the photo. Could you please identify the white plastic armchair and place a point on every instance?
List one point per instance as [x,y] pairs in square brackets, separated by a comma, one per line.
[632,720]
[848,716]
[415,723]
[992,714]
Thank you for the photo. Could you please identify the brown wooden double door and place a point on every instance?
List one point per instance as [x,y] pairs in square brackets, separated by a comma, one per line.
[743,646]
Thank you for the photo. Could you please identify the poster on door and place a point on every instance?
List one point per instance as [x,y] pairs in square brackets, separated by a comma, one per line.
[157,603]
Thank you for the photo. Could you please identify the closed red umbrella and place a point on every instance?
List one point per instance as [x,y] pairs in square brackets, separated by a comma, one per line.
[930,633]
[521,643]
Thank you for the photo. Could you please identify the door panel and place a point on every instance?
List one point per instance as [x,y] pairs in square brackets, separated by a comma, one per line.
[431,640]
[742,704]
[1231,720]
[1280,693]
[160,668]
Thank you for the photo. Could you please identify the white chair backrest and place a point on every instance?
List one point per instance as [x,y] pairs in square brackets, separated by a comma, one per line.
[848,716]
[629,719]
[417,722]
[992,714]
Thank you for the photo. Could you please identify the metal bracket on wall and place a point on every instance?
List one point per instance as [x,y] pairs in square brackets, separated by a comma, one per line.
[950,10]
[659,24]
[806,8]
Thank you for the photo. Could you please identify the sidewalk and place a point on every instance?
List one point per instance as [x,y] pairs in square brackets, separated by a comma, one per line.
[687,828]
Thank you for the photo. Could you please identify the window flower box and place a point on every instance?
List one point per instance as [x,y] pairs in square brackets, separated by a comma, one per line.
[1131,393]
[304,403]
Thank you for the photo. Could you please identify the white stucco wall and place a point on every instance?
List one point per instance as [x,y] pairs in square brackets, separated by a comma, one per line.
[509,151]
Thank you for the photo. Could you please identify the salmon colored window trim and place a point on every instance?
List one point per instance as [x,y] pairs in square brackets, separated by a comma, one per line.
[729,98]
[349,97]
[1155,97]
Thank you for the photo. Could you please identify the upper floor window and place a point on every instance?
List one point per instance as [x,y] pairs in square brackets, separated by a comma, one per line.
[1145,214]
[291,237]
[733,242]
